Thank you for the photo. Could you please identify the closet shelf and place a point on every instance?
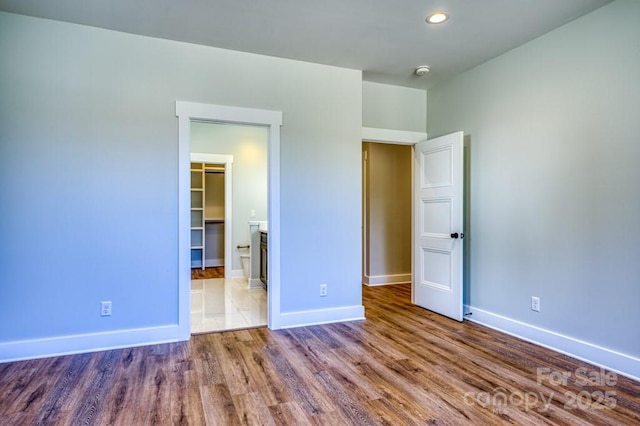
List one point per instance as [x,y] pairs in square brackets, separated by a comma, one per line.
[207,202]
[197,215]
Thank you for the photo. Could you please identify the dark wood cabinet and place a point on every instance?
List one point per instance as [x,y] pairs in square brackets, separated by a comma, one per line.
[263,257]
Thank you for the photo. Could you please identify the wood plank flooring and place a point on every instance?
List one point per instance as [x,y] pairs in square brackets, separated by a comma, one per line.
[401,366]
[213,272]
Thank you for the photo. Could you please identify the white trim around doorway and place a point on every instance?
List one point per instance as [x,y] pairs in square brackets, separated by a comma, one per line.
[397,137]
[191,111]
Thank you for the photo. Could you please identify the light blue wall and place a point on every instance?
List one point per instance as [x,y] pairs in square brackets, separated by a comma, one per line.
[554,171]
[393,107]
[88,168]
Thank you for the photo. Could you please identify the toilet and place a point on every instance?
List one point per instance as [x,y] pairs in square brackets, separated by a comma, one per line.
[245,258]
[251,258]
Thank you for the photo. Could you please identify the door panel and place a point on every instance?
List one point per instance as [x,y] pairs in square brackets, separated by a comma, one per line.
[436,217]
[438,243]
[436,268]
[437,170]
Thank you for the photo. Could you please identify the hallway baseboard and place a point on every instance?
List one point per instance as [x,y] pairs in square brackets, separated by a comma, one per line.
[374,280]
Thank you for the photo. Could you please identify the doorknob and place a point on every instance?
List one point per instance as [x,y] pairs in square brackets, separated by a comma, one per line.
[455,235]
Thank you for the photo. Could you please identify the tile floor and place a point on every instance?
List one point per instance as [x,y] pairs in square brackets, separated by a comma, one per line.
[226,304]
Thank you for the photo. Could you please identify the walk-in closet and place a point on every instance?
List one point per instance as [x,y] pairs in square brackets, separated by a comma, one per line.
[207,215]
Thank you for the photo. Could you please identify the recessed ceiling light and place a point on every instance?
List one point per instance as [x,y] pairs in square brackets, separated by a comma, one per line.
[437,18]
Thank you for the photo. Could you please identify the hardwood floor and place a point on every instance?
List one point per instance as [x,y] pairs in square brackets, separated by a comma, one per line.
[206,273]
[401,366]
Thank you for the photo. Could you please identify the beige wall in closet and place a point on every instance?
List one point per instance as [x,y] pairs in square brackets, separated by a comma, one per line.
[387,210]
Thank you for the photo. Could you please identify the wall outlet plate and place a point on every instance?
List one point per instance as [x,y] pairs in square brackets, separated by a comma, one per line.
[535,304]
[323,290]
[105,309]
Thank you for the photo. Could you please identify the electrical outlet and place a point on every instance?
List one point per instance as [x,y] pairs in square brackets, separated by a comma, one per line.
[535,304]
[323,290]
[105,309]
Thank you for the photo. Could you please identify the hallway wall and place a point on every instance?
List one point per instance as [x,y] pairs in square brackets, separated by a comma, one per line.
[388,205]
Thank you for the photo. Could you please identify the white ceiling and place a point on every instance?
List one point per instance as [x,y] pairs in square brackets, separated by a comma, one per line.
[386,39]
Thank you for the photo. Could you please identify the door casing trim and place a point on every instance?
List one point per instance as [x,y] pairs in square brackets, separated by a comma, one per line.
[192,111]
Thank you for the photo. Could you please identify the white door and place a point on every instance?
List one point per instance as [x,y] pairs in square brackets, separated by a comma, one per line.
[438,233]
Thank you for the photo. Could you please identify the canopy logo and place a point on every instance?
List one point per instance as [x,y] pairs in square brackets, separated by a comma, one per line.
[600,394]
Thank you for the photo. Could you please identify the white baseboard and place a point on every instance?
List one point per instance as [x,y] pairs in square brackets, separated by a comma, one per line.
[213,263]
[375,280]
[83,343]
[623,364]
[235,273]
[255,283]
[321,316]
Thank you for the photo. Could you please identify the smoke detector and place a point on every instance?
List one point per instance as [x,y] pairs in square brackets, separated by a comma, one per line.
[422,70]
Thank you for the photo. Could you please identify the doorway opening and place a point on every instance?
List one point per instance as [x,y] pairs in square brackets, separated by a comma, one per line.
[227,215]
[190,115]
[211,214]
[437,217]
[386,207]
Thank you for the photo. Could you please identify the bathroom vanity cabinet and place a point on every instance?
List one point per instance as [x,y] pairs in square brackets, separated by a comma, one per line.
[263,257]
